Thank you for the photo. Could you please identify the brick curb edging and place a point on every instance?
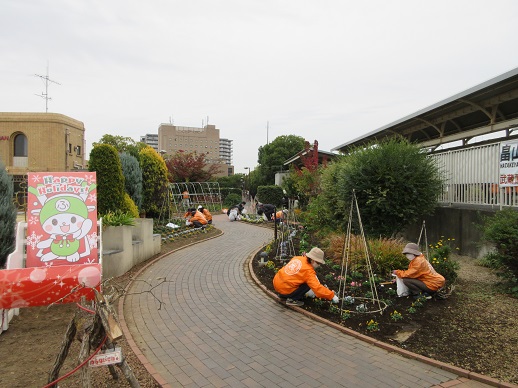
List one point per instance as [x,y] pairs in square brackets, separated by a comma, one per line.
[124,327]
[462,373]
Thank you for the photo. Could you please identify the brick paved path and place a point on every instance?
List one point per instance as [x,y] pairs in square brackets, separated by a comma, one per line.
[218,329]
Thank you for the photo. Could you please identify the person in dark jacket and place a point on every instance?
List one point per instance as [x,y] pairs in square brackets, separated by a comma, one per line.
[266,209]
[240,207]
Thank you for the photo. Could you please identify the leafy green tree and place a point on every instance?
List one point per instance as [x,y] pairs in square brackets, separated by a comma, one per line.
[231,199]
[235,181]
[232,184]
[154,181]
[105,161]
[122,144]
[395,182]
[501,230]
[271,194]
[132,177]
[7,216]
[326,210]
[272,156]
[191,167]
[304,181]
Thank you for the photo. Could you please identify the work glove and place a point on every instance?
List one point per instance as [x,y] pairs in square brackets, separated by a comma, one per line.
[310,294]
[335,299]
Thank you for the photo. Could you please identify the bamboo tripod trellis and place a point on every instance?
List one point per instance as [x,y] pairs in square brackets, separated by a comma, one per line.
[346,260]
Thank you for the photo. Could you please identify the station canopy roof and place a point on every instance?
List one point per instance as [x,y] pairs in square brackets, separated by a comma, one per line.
[487,108]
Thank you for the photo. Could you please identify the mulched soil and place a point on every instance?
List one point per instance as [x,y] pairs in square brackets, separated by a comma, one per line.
[474,328]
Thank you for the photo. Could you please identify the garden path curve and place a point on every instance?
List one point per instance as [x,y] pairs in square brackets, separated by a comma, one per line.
[217,328]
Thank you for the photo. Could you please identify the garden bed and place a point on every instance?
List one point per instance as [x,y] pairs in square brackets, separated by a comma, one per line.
[473,328]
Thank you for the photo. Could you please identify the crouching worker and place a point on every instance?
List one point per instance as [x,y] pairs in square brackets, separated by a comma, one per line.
[298,277]
[233,214]
[195,218]
[280,216]
[420,277]
[206,213]
[267,209]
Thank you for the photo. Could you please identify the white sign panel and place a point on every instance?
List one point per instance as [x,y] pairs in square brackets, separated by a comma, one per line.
[106,358]
[508,164]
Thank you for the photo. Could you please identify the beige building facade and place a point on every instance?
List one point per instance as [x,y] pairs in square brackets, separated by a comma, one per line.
[33,142]
[173,138]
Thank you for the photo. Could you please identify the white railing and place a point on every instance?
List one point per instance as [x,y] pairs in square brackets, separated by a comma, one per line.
[471,177]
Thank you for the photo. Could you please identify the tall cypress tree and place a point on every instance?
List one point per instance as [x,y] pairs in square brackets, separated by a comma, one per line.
[104,160]
[132,177]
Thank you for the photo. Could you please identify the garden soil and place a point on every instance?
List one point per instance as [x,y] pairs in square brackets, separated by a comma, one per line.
[475,329]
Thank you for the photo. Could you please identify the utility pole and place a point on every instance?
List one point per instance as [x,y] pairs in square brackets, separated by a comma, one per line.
[45,95]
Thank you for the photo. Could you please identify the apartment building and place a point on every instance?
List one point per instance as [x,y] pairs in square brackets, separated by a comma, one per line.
[173,138]
[150,139]
[225,150]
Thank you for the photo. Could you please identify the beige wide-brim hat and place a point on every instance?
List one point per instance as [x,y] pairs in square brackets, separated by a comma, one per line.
[316,254]
[413,249]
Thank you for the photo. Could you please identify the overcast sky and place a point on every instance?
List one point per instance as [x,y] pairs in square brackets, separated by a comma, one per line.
[328,70]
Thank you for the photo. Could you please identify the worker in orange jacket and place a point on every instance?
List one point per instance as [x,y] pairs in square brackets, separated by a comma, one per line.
[298,277]
[420,277]
[280,216]
[195,218]
[206,213]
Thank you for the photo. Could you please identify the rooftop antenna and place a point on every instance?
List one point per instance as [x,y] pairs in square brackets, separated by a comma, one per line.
[46,94]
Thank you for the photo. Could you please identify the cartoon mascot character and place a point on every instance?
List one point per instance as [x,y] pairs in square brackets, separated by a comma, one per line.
[65,219]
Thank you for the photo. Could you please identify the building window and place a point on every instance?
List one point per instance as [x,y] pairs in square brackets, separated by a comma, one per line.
[20,145]
[78,150]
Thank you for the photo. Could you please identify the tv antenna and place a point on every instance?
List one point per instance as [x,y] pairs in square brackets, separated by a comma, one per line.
[45,95]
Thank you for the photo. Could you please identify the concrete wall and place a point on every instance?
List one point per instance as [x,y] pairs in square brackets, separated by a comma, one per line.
[462,224]
[126,246]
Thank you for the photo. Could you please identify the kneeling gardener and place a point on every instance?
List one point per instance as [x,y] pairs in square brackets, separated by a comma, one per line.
[298,277]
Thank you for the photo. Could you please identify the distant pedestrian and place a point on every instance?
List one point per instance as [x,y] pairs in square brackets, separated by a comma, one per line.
[185,198]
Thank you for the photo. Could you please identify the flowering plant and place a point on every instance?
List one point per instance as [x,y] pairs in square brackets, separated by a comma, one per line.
[372,325]
[440,259]
[396,316]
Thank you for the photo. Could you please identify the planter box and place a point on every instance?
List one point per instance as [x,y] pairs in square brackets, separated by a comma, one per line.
[126,246]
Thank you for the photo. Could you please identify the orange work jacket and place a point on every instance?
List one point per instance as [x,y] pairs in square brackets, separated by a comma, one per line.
[207,214]
[297,272]
[279,215]
[419,268]
[198,216]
